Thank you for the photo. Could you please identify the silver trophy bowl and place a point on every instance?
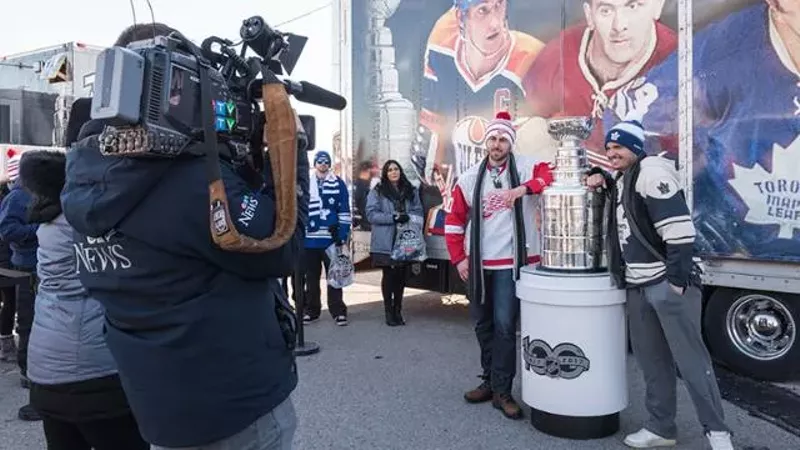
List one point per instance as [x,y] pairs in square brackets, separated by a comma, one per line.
[570,128]
[572,226]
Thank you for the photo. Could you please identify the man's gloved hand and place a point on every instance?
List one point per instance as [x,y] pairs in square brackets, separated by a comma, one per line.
[401,217]
[544,172]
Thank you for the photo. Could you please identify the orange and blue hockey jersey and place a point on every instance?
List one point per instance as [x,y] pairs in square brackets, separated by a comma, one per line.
[456,106]
[451,94]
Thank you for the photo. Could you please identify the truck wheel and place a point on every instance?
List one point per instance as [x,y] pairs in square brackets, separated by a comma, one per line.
[754,333]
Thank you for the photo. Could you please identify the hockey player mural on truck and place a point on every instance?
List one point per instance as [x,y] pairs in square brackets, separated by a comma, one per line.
[474,66]
[610,60]
[578,72]
[746,130]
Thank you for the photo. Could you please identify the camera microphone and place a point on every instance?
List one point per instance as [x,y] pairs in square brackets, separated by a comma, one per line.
[311,93]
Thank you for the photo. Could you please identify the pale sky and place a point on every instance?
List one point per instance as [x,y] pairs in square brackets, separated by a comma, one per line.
[32,24]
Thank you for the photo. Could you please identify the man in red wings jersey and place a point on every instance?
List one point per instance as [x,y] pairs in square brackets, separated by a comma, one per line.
[490,234]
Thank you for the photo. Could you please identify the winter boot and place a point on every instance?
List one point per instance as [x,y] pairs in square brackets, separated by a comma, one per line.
[388,308]
[480,394]
[398,311]
[8,349]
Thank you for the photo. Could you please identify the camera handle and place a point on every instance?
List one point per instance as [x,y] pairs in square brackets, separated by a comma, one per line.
[281,133]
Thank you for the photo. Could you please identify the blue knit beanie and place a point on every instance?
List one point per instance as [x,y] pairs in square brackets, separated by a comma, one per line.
[322,157]
[629,134]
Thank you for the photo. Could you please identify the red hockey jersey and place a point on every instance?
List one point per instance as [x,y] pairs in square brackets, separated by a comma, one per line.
[497,228]
[560,83]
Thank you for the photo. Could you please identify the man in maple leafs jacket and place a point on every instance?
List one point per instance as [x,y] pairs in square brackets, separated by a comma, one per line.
[651,256]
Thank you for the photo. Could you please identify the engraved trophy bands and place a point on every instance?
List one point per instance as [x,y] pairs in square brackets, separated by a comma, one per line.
[571,214]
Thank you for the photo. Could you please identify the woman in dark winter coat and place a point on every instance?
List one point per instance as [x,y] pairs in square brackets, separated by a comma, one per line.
[75,386]
[394,200]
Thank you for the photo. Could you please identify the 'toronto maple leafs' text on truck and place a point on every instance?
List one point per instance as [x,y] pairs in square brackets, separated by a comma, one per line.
[713,82]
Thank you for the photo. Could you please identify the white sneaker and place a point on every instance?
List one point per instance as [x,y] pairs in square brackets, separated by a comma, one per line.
[647,439]
[719,440]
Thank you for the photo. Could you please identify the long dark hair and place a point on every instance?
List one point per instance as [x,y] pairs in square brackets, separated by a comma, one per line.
[404,190]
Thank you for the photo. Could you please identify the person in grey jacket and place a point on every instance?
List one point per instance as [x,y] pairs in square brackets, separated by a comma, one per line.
[74,381]
[393,201]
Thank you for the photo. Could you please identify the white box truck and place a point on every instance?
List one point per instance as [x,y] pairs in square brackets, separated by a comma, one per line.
[713,81]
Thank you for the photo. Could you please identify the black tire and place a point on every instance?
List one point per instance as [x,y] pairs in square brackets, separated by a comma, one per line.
[722,343]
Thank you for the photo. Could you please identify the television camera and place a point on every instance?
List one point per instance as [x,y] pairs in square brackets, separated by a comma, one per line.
[160,97]
[150,94]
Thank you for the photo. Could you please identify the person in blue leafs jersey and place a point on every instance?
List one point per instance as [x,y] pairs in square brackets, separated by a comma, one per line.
[329,222]
[21,238]
[203,337]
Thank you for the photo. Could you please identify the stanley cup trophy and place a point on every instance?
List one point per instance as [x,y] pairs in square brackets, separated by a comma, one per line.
[572,233]
[572,316]
[393,116]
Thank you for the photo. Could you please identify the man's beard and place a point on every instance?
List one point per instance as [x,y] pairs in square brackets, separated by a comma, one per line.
[497,160]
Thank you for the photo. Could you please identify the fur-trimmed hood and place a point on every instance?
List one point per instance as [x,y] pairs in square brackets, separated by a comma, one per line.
[42,173]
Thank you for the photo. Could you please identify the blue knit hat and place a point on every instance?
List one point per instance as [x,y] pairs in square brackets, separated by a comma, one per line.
[629,134]
[322,157]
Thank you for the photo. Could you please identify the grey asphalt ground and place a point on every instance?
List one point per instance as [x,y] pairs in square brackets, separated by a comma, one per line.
[375,387]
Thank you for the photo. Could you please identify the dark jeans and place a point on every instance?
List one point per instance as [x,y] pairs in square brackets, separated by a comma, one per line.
[26,295]
[393,283]
[8,310]
[496,329]
[315,259]
[119,433]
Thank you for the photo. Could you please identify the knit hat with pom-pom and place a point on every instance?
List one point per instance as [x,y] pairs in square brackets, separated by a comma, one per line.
[12,164]
[502,126]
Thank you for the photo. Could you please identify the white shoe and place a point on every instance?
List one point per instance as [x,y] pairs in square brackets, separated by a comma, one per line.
[647,439]
[719,440]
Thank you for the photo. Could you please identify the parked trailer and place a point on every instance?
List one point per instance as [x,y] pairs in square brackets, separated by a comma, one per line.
[420,93]
[37,89]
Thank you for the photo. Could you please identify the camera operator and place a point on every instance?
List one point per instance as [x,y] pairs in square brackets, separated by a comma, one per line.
[203,337]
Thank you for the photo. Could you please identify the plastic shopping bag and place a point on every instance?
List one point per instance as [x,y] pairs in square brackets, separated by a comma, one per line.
[409,242]
[340,270]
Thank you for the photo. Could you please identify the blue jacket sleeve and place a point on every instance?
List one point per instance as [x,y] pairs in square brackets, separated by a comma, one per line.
[345,219]
[14,226]
[254,214]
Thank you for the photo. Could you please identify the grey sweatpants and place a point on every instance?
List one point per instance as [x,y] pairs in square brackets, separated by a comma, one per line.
[665,332]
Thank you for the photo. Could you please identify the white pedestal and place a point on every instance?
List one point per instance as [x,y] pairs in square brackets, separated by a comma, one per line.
[574,352]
